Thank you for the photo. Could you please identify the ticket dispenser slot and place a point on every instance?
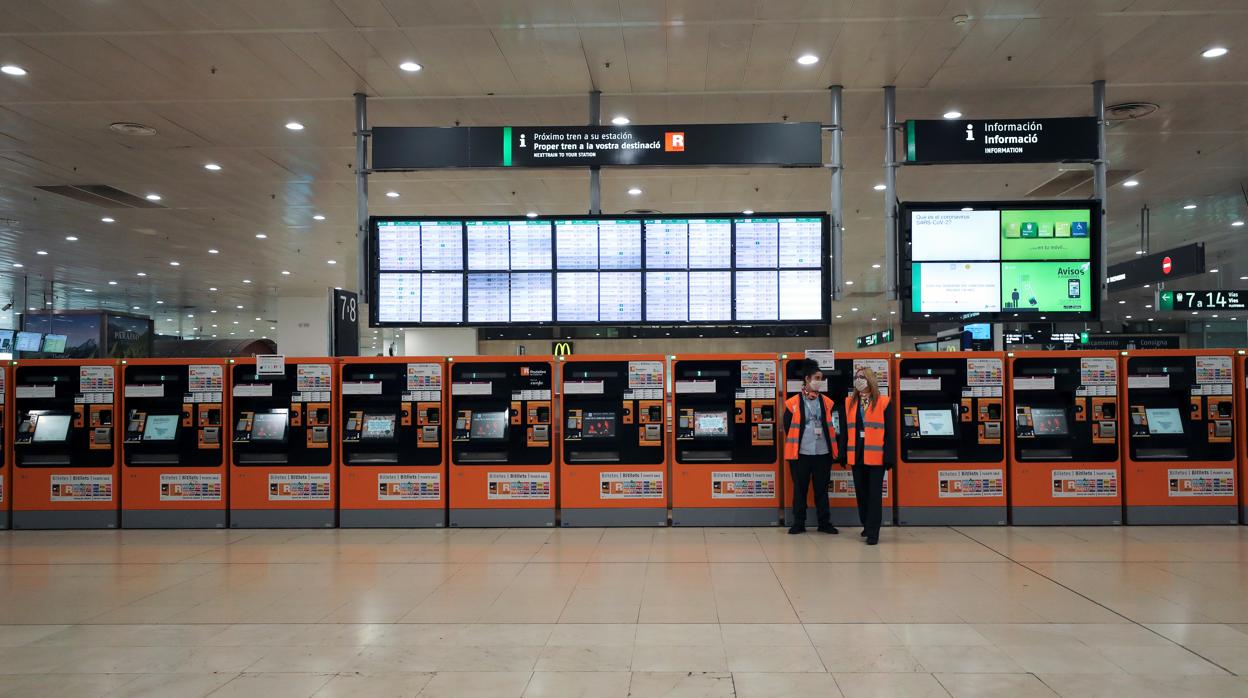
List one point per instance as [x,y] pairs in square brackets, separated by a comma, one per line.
[650,416]
[1221,422]
[429,423]
[318,429]
[1104,420]
[101,433]
[989,418]
[538,420]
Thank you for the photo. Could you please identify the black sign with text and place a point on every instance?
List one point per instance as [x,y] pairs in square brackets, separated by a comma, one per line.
[875,339]
[1214,299]
[418,148]
[1163,266]
[950,141]
[345,322]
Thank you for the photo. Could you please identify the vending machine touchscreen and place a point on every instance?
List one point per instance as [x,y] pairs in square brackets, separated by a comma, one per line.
[725,455]
[612,464]
[1065,462]
[393,464]
[282,451]
[1180,458]
[173,454]
[952,460]
[65,456]
[502,464]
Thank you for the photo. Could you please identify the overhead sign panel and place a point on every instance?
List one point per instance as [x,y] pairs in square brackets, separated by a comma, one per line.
[1171,264]
[875,339]
[1217,299]
[418,148]
[950,141]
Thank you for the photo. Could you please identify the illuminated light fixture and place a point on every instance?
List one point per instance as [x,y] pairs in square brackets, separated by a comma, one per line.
[1122,302]
[635,191]
[621,120]
[1139,251]
[1149,306]
[134,307]
[246,281]
[71,238]
[17,265]
[1131,183]
[213,311]
[294,125]
[112,283]
[1189,207]
[14,70]
[880,187]
[107,219]
[175,264]
[331,261]
[748,212]
[41,252]
[142,273]
[212,167]
[838,317]
[261,236]
[531,214]
[892,312]
[1128,317]
[1237,224]
[1213,271]
[392,194]
[160,302]
[153,197]
[807,59]
[952,114]
[853,310]
[239,307]
[212,288]
[1211,52]
[257,319]
[318,217]
[285,273]
[849,283]
[214,251]
[1193,312]
[875,266]
[967,208]
[410,67]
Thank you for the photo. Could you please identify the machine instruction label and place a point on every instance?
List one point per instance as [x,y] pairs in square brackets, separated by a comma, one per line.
[145,390]
[879,367]
[1213,369]
[758,374]
[984,372]
[35,391]
[1088,482]
[1201,482]
[971,483]
[841,486]
[190,487]
[205,378]
[96,379]
[424,377]
[292,487]
[518,485]
[825,358]
[1098,371]
[630,485]
[270,364]
[82,488]
[645,374]
[743,484]
[409,487]
[313,377]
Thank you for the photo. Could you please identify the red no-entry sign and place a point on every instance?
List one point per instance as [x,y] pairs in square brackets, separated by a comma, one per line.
[1165,265]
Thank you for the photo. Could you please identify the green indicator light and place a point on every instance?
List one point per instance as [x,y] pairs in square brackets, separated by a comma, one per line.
[506,146]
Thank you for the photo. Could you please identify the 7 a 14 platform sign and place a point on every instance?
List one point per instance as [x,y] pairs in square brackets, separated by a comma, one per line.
[1219,299]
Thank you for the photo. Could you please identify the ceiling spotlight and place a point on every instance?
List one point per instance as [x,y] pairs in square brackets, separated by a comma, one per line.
[748,212]
[849,283]
[967,208]
[112,283]
[175,264]
[71,238]
[15,70]
[17,265]
[331,261]
[1213,271]
[285,273]
[875,266]
[1149,306]
[880,187]
[214,251]
[634,191]
[212,288]
[1237,224]
[142,273]
[1211,52]
[257,319]
[294,126]
[621,120]
[853,310]
[261,236]
[410,67]
[531,214]
[212,167]
[318,217]
[41,252]
[392,194]
[808,59]
[1122,302]
[107,219]
[160,302]
[953,114]
[1131,183]
[246,281]
[239,307]
[1189,207]
[152,197]
[134,307]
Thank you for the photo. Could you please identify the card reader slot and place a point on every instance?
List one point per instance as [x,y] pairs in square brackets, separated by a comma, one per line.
[154,459]
[1161,454]
[483,457]
[933,454]
[593,457]
[42,460]
[1044,454]
[372,458]
[706,456]
[263,458]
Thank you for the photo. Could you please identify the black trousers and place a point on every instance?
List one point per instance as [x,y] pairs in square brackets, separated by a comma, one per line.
[805,471]
[869,489]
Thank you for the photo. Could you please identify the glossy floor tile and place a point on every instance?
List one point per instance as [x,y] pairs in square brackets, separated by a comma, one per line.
[625,612]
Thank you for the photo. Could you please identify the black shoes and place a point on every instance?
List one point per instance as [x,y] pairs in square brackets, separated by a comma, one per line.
[873,541]
[864,533]
[794,530]
[828,528]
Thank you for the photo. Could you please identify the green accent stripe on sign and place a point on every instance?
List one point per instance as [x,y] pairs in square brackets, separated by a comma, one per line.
[910,141]
[506,146]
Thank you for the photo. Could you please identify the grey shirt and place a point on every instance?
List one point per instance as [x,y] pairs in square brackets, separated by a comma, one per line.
[813,443]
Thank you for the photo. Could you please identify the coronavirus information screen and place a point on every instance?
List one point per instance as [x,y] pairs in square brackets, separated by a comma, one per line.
[1003,260]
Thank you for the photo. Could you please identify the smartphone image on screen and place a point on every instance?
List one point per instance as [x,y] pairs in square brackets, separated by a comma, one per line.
[1072,288]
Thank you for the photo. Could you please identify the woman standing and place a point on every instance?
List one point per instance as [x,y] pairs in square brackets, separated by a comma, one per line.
[869,449]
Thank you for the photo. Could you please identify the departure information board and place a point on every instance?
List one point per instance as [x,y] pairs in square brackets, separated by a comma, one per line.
[584,270]
[1000,260]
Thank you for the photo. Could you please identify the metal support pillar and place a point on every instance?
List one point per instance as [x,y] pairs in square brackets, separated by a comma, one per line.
[1099,187]
[361,195]
[890,193]
[595,174]
[836,204]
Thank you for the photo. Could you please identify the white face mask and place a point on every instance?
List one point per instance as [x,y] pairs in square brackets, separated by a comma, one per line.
[860,384]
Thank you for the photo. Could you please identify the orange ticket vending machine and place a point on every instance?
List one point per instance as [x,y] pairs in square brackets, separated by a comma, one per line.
[502,469]
[1065,460]
[838,376]
[1241,429]
[1179,462]
[6,479]
[392,467]
[282,445]
[173,443]
[724,451]
[612,464]
[952,439]
[65,454]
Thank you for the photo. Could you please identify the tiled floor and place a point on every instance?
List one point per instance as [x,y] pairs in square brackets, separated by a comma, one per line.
[591,612]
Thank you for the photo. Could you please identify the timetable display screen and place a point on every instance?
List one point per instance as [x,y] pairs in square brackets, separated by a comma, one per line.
[1000,260]
[585,270]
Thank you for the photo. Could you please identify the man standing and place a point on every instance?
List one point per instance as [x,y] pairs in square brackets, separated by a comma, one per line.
[810,447]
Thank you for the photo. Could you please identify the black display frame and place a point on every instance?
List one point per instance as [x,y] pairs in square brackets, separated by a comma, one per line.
[905,289]
[825,269]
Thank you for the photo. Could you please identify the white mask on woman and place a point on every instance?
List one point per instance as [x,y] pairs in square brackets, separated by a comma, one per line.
[860,384]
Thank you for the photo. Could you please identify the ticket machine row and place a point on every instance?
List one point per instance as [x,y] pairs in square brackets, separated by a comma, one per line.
[1030,438]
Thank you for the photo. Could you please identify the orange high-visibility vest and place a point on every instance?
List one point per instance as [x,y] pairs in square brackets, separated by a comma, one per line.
[872,432]
[793,438]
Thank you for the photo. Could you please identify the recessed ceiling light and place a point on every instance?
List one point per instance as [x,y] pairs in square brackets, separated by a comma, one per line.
[41,252]
[1122,302]
[392,194]
[1193,312]
[1139,251]
[152,197]
[212,167]
[853,310]
[261,236]
[239,307]
[190,314]
[531,214]
[621,120]
[635,191]
[849,283]
[318,217]
[107,219]
[214,251]
[1131,183]
[160,302]
[175,264]
[285,273]
[17,265]
[142,273]
[1213,271]
[410,67]
[1189,207]
[967,208]
[331,261]
[838,317]
[1237,224]
[213,311]
[212,288]
[952,114]
[112,283]
[1149,306]
[880,187]
[257,319]
[134,307]
[246,281]
[808,59]
[1128,317]
[875,266]
[1211,52]
[892,312]
[71,238]
[294,125]
[748,212]
[15,70]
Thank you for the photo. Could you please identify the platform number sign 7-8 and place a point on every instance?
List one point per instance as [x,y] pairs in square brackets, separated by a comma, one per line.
[348,308]
[346,323]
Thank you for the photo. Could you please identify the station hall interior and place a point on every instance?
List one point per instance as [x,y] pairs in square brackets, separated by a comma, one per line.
[623,348]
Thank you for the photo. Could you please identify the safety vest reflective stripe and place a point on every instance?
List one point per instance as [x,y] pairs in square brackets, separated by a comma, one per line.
[872,429]
[793,437]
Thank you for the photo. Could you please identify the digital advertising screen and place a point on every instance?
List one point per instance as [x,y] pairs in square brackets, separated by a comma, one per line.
[6,341]
[591,270]
[161,427]
[1002,260]
[54,343]
[1049,421]
[598,425]
[28,341]
[488,426]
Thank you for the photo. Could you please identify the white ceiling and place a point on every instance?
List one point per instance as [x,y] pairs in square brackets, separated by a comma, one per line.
[218,79]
